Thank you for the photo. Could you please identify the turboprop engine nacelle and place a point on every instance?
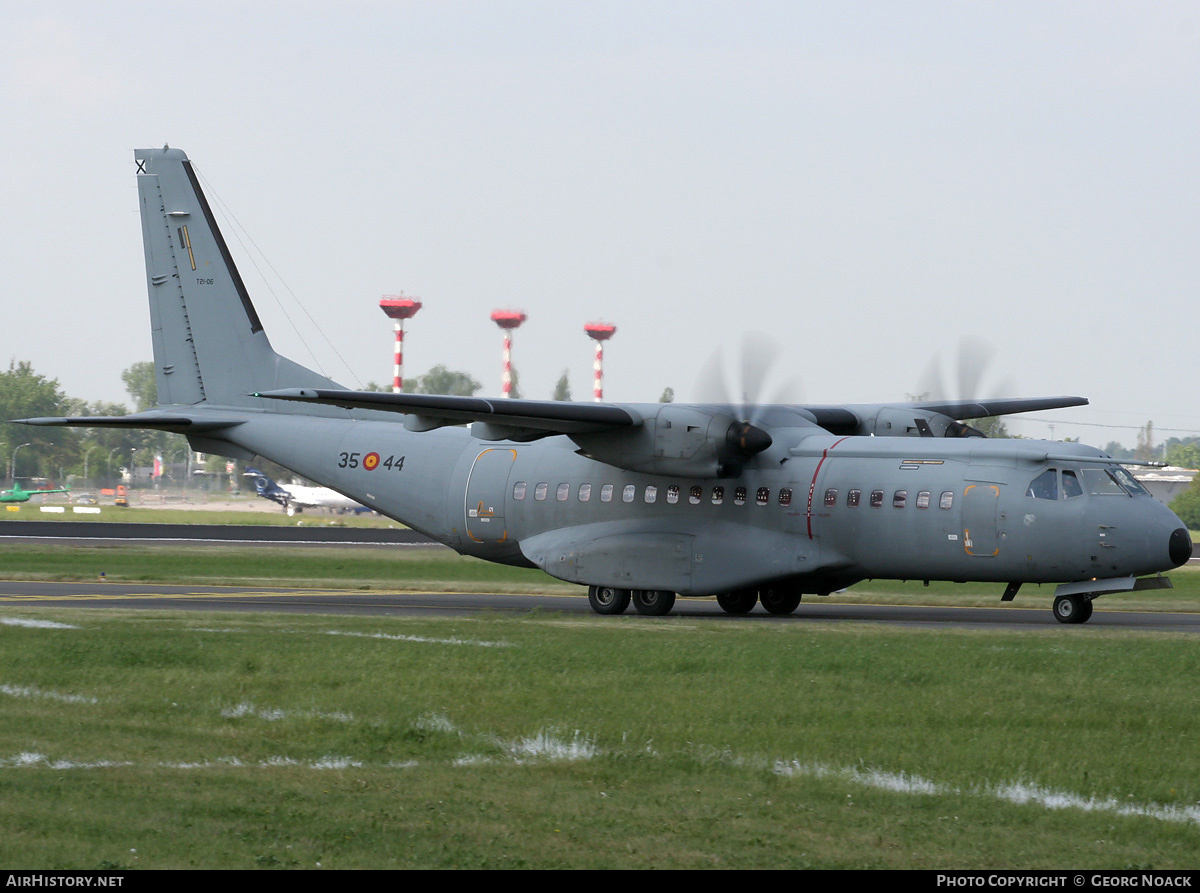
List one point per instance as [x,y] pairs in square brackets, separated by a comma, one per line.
[909,421]
[680,440]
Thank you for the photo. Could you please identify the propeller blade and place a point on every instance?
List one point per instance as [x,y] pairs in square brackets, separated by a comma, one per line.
[754,377]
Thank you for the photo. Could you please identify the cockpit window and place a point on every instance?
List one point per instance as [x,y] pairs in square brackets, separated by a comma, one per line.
[1045,485]
[1131,484]
[1101,482]
[1071,485]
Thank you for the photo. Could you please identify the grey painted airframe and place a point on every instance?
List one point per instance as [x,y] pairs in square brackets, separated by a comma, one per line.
[639,502]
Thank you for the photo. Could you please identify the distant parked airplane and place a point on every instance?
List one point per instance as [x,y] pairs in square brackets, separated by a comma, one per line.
[296,498]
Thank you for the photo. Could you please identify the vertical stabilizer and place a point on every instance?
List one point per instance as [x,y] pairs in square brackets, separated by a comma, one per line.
[209,345]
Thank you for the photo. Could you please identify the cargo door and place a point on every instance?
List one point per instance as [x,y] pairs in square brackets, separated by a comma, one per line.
[487,490]
[981,503]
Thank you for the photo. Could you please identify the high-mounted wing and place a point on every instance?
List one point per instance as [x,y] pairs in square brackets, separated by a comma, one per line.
[932,418]
[979,409]
[705,441]
[695,439]
[504,419]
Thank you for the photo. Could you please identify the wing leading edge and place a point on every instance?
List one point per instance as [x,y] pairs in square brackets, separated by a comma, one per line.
[540,418]
[503,418]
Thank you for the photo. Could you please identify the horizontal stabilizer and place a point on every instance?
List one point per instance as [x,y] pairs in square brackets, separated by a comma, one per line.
[158,421]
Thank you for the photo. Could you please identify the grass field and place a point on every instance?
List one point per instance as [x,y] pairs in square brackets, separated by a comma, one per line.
[170,740]
[197,515]
[161,739]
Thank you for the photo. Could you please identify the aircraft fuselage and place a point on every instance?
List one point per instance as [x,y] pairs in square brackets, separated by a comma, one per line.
[820,513]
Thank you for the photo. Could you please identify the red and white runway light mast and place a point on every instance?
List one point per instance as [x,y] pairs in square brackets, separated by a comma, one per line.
[399,308]
[507,320]
[599,332]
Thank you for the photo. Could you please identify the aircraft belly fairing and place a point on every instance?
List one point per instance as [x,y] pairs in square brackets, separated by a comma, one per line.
[706,559]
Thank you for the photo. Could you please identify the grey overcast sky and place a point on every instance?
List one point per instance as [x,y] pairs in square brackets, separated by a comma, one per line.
[871,183]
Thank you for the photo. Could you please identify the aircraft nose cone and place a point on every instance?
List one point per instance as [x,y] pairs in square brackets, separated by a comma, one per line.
[1180,546]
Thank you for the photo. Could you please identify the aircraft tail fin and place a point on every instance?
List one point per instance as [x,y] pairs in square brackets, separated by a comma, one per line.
[209,344]
[267,488]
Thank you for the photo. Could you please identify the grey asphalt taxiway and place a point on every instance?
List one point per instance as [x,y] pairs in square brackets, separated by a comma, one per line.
[327,601]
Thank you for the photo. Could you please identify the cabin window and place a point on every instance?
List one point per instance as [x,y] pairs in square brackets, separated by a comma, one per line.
[606,493]
[651,493]
[853,498]
[694,494]
[785,496]
[739,496]
[718,495]
[673,494]
[899,498]
[762,495]
[628,493]
[947,500]
[1045,485]
[519,490]
[830,498]
[923,499]
[540,491]
[1071,486]
[876,498]
[563,492]
[585,492]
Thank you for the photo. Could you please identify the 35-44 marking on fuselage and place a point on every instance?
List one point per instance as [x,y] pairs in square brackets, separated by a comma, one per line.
[370,461]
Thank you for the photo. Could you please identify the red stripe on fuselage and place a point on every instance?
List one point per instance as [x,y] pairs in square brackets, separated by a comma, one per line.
[813,485]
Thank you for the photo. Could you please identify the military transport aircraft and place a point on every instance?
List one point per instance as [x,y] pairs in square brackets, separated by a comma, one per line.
[20,494]
[640,502]
[295,498]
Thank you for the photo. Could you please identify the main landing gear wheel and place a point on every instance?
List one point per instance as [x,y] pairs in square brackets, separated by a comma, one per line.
[1072,609]
[740,602]
[653,602]
[779,601]
[606,600]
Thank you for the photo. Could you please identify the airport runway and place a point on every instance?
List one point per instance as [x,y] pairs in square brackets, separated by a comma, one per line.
[217,598]
[106,531]
[320,601]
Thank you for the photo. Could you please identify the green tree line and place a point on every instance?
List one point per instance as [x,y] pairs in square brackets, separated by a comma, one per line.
[60,454]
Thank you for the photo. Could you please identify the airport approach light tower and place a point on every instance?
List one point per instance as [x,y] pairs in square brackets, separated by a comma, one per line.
[507,320]
[399,308]
[599,332]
